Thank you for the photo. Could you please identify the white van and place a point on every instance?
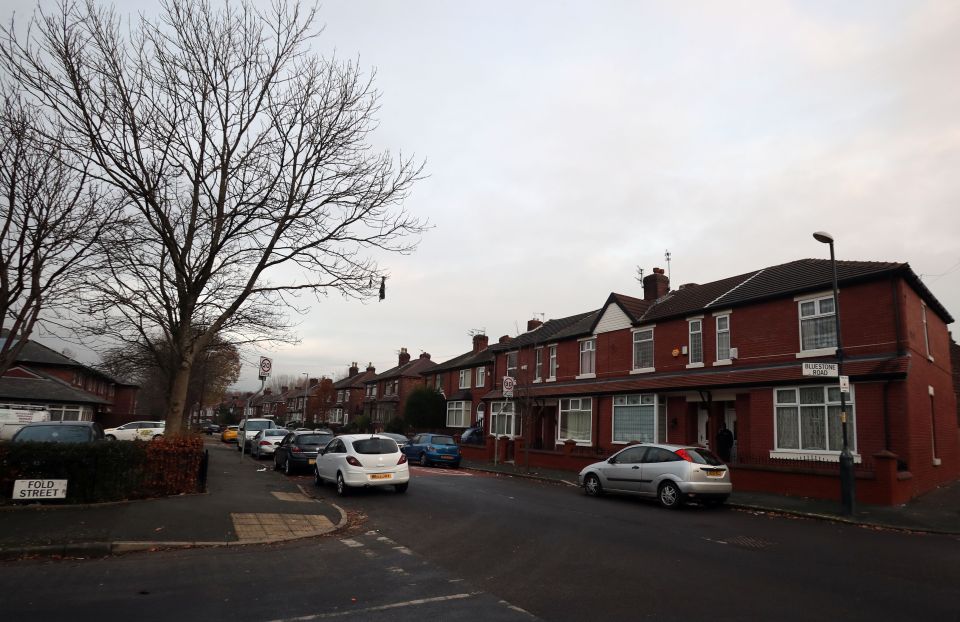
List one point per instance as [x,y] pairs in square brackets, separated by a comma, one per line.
[15,416]
[249,428]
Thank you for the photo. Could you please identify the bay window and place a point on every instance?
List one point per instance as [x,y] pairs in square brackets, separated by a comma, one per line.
[808,419]
[458,414]
[634,418]
[503,420]
[576,418]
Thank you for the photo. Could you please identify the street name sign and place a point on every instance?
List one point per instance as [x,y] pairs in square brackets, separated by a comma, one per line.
[24,489]
[829,370]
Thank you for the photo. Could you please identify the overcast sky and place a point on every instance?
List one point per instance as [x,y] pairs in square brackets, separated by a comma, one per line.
[569,142]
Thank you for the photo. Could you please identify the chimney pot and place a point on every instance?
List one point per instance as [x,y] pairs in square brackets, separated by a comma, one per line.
[480,343]
[404,356]
[504,339]
[532,324]
[425,355]
[656,285]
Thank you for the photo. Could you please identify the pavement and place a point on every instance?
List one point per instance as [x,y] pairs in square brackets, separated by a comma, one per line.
[937,511]
[248,503]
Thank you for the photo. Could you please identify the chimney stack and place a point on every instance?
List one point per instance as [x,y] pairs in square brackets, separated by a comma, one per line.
[404,356]
[532,324]
[354,370]
[505,339]
[655,285]
[425,355]
[480,343]
[371,368]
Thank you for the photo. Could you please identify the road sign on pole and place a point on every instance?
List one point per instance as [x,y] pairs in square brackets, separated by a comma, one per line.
[266,365]
[845,384]
[508,385]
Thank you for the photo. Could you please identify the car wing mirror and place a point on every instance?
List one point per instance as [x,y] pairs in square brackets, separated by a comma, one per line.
[612,460]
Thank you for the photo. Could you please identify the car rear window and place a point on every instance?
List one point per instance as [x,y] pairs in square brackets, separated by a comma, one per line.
[314,439]
[258,425]
[276,432]
[443,440]
[57,434]
[704,456]
[376,446]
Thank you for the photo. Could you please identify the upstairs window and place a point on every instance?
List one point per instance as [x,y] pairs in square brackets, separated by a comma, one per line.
[439,382]
[512,364]
[723,337]
[818,324]
[553,362]
[926,335]
[481,376]
[696,342]
[538,366]
[643,349]
[588,358]
[464,378]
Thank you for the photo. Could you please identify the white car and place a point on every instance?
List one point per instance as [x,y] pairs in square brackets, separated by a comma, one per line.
[248,429]
[361,461]
[265,442]
[136,430]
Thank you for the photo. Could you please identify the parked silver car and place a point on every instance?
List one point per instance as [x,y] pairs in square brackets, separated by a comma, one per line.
[671,473]
[266,441]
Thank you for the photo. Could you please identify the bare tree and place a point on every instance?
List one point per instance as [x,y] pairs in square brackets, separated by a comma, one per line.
[243,160]
[52,216]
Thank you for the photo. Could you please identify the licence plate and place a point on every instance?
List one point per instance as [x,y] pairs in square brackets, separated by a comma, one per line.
[714,473]
[312,461]
[381,476]
[446,457]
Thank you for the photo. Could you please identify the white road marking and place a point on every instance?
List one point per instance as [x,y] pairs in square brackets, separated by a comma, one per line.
[407,603]
[351,543]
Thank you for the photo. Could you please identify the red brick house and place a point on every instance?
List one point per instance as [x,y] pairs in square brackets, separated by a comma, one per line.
[45,379]
[463,381]
[386,394]
[676,365]
[348,395]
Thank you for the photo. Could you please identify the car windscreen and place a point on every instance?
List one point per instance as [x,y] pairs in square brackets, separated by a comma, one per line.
[55,433]
[376,446]
[704,456]
[442,440]
[257,425]
[313,439]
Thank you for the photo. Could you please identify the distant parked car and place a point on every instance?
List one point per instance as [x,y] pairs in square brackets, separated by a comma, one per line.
[430,449]
[266,441]
[402,441]
[360,461]
[210,428]
[229,434]
[298,450]
[670,473]
[248,429]
[59,432]
[472,436]
[136,431]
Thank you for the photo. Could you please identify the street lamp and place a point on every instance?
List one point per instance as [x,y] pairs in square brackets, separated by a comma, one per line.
[847,496]
[306,386]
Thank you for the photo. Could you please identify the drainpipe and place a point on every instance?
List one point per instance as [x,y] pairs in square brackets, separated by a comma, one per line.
[895,283]
[886,416]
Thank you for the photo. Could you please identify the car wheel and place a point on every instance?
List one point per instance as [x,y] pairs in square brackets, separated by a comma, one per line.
[317,480]
[423,459]
[401,488]
[669,495]
[276,464]
[110,437]
[287,469]
[158,437]
[342,489]
[592,485]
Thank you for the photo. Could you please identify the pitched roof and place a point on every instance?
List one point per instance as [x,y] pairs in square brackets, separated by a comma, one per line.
[469,359]
[39,354]
[550,330]
[354,381]
[45,389]
[414,368]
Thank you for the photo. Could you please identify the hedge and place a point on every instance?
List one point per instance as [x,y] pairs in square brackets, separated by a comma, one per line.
[106,471]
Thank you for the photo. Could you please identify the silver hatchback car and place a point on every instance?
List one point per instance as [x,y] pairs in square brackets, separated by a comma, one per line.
[671,473]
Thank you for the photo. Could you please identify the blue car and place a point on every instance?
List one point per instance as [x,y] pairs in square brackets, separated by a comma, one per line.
[430,449]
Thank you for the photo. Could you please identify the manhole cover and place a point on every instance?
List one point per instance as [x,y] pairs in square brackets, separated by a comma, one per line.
[749,543]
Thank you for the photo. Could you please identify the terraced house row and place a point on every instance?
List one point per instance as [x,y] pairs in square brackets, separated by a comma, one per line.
[679,365]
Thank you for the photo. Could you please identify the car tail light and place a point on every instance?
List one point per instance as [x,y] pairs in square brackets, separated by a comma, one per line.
[262,443]
[295,450]
[402,460]
[683,454]
[353,461]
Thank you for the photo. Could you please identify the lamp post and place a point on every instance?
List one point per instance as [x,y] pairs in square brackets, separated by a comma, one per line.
[306,387]
[847,496]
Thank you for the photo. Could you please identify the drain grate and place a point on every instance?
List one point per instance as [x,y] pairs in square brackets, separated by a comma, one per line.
[749,543]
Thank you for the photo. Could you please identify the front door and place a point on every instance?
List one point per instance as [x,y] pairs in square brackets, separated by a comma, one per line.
[703,420]
[730,418]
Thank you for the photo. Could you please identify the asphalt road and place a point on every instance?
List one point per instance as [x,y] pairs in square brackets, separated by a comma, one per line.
[466,546]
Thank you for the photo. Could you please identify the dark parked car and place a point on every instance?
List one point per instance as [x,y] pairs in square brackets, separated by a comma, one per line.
[210,428]
[59,432]
[402,441]
[473,436]
[429,449]
[298,450]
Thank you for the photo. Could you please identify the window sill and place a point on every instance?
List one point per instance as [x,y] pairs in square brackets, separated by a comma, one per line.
[723,362]
[694,365]
[562,442]
[806,354]
[937,462]
[583,376]
[817,456]
[537,380]
[930,357]
[643,370]
[550,380]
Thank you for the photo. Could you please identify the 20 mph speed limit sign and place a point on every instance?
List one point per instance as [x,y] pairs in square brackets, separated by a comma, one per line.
[265,366]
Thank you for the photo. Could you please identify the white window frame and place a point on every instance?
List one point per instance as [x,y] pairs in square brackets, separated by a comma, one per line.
[690,333]
[588,347]
[515,355]
[460,411]
[561,411]
[503,417]
[438,383]
[538,365]
[465,375]
[637,369]
[815,299]
[926,334]
[552,362]
[723,360]
[481,376]
[790,453]
[628,401]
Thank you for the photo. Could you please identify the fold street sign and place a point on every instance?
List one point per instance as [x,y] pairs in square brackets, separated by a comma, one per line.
[829,370]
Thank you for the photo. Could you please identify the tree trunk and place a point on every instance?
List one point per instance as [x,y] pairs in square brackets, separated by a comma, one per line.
[178,397]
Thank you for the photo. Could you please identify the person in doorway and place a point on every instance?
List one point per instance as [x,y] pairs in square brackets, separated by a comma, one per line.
[724,442]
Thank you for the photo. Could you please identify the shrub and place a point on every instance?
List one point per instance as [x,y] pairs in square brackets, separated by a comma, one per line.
[396,425]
